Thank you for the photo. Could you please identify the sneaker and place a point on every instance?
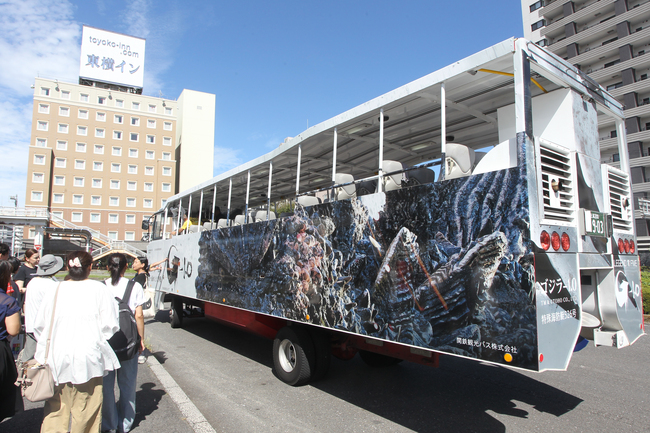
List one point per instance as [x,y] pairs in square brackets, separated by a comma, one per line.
[142,359]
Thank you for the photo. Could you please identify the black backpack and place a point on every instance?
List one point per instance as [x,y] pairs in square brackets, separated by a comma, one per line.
[126,341]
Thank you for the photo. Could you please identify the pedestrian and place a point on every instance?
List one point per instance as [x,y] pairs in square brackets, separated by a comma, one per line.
[39,287]
[10,400]
[12,288]
[4,251]
[118,416]
[27,270]
[85,317]
[141,267]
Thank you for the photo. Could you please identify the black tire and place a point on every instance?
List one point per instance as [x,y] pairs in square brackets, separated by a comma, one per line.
[322,352]
[176,313]
[293,356]
[378,360]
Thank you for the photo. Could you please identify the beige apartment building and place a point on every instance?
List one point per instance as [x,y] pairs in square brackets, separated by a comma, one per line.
[107,159]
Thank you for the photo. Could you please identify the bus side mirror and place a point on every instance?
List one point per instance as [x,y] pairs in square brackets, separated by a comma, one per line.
[145,225]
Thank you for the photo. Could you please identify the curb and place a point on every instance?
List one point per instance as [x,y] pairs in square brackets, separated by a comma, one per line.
[192,414]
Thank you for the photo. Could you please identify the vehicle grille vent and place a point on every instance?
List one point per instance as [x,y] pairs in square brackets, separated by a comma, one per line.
[557,184]
[620,199]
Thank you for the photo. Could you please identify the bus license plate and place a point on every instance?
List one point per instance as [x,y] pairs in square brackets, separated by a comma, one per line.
[594,223]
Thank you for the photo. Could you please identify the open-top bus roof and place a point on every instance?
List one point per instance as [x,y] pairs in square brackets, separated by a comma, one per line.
[475,88]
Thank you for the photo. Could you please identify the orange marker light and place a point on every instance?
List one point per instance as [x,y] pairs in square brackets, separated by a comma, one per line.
[507,357]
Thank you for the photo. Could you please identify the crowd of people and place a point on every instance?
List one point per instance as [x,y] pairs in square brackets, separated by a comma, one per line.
[83,315]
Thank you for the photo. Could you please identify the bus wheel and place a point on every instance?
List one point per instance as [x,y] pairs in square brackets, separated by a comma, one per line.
[176,313]
[293,356]
[378,360]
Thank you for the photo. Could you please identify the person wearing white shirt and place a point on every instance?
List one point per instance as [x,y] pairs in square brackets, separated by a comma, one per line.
[85,317]
[119,416]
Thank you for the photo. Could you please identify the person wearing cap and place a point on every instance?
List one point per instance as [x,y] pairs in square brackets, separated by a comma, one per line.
[42,283]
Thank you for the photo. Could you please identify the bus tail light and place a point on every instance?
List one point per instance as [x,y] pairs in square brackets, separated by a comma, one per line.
[545,240]
[626,245]
[632,247]
[555,241]
[621,246]
[566,242]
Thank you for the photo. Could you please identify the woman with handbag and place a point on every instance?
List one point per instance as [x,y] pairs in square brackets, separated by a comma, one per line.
[9,326]
[83,316]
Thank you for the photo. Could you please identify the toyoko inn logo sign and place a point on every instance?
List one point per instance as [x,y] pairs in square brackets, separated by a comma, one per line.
[111,57]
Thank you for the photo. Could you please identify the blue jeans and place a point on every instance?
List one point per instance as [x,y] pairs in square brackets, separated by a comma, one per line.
[119,416]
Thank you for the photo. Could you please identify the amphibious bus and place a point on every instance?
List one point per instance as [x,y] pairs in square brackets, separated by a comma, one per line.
[466,213]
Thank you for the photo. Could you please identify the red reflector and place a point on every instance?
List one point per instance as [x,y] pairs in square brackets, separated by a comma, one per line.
[621,247]
[555,241]
[632,247]
[545,240]
[541,357]
[566,242]
[626,244]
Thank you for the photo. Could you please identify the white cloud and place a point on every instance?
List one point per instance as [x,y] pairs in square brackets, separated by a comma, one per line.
[225,159]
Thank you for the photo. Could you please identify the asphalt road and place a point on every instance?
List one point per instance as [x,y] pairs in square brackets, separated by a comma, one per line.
[228,375]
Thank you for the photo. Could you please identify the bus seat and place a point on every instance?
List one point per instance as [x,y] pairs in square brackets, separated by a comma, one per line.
[366,187]
[394,181]
[240,220]
[194,228]
[420,176]
[459,160]
[308,200]
[222,223]
[261,216]
[209,225]
[347,191]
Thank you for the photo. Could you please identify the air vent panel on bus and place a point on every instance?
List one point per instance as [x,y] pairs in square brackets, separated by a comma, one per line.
[557,186]
[620,198]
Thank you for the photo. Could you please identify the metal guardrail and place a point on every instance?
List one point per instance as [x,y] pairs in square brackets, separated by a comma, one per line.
[24,212]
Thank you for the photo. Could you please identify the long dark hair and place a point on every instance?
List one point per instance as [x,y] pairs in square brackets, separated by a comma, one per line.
[145,264]
[79,265]
[5,275]
[116,265]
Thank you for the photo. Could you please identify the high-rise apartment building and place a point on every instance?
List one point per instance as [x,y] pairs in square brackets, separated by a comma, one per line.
[107,159]
[608,40]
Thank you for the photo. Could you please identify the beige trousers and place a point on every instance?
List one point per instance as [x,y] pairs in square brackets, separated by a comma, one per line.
[74,408]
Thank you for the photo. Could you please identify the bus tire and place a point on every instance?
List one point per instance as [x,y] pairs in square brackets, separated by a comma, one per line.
[293,356]
[378,360]
[176,313]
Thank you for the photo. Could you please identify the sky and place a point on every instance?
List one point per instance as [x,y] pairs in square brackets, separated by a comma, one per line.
[276,67]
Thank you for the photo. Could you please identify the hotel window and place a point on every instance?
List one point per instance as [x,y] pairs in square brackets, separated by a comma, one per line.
[129,218]
[80,164]
[83,97]
[167,141]
[167,171]
[117,151]
[148,186]
[135,105]
[63,128]
[98,166]
[64,111]
[81,147]
[117,135]
[132,185]
[38,177]
[149,154]
[114,201]
[166,187]
[57,198]
[61,145]
[101,100]
[99,149]
[82,130]
[129,236]
[147,203]
[538,25]
[130,202]
[41,125]
[44,108]
[97,183]
[39,159]
[101,117]
[77,199]
[152,108]
[167,126]
[56,214]
[112,236]
[151,139]
[168,111]
[135,121]
[133,169]
[151,123]
[45,91]
[60,162]
[59,180]
[116,167]
[83,114]
[119,103]
[99,132]
[41,142]
[78,181]
[166,156]
[133,153]
[96,200]
[113,218]
[148,171]
[118,119]
[77,217]
[37,196]
[95,218]
[65,94]
[115,184]
[134,136]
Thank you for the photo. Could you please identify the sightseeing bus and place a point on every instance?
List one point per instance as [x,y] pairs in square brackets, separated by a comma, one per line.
[466,213]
